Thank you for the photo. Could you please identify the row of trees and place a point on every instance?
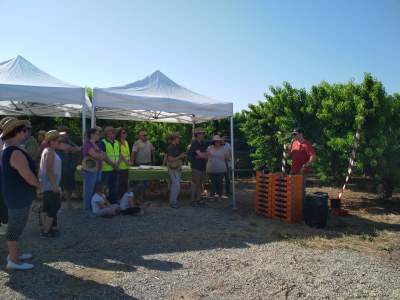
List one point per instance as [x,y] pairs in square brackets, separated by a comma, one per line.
[330,113]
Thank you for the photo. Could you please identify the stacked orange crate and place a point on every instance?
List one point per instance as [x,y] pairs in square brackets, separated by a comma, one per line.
[294,198]
[263,200]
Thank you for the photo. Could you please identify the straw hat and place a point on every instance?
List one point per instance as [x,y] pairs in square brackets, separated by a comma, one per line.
[109,129]
[51,136]
[10,124]
[216,138]
[90,164]
[198,130]
[175,135]
[63,128]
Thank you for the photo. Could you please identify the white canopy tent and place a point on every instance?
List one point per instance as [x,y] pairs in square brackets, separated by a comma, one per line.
[157,98]
[27,90]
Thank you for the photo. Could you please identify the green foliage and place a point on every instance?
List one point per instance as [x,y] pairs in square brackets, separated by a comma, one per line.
[330,113]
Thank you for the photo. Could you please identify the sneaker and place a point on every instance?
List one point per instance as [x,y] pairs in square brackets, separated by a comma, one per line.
[194,204]
[60,211]
[13,266]
[24,256]
[219,200]
[175,205]
[201,202]
[49,235]
[141,212]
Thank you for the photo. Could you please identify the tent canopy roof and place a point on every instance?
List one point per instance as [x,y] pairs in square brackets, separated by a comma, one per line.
[157,98]
[27,90]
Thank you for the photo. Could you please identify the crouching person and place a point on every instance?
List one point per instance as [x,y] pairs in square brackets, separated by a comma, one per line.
[132,201]
[100,206]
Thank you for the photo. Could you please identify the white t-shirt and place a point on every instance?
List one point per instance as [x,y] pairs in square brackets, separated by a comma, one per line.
[143,151]
[124,204]
[216,160]
[228,148]
[97,199]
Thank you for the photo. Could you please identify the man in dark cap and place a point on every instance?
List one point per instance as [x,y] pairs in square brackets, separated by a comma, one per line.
[303,155]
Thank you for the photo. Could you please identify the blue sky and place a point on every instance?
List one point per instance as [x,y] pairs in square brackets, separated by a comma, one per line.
[227,50]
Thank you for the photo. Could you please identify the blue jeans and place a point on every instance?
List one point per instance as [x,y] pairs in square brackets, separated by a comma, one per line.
[112,180]
[89,181]
[175,176]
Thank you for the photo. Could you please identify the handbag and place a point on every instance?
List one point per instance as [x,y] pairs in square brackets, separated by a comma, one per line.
[175,165]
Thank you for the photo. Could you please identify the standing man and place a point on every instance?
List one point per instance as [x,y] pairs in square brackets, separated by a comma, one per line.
[227,147]
[303,155]
[68,152]
[198,158]
[30,145]
[142,151]
[110,168]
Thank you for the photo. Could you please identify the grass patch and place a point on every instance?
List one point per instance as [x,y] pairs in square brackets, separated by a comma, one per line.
[293,239]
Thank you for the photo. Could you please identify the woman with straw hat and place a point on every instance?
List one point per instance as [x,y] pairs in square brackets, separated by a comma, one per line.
[20,182]
[50,176]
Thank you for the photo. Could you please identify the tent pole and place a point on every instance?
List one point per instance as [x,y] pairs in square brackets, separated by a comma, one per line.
[84,119]
[93,121]
[233,167]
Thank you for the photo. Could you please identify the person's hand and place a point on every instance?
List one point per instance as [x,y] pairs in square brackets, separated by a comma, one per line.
[56,190]
[103,155]
[184,154]
[116,167]
[130,163]
[302,170]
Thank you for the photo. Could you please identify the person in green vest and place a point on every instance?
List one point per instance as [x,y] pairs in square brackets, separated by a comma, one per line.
[110,168]
[125,161]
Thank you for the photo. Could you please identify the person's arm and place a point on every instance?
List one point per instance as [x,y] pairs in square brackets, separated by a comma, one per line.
[134,150]
[130,201]
[96,155]
[153,156]
[200,154]
[164,163]
[19,162]
[49,159]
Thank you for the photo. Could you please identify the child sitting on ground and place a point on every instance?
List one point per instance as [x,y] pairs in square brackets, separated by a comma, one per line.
[132,201]
[100,206]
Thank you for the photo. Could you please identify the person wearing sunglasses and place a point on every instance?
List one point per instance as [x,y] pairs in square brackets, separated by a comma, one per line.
[303,155]
[142,151]
[29,143]
[124,162]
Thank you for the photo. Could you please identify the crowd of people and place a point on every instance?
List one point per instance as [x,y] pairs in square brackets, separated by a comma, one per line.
[48,165]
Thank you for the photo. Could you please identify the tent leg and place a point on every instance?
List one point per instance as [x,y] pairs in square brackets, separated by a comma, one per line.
[233,168]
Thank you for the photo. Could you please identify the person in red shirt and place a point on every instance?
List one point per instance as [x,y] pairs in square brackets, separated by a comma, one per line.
[303,155]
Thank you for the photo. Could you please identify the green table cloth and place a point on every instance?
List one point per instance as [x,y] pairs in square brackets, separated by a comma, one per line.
[151,174]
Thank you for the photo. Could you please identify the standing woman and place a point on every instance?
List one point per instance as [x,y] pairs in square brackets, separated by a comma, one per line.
[3,207]
[20,182]
[216,167]
[50,176]
[125,161]
[174,163]
[91,150]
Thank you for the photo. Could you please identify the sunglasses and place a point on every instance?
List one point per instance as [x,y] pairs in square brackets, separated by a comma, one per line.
[123,132]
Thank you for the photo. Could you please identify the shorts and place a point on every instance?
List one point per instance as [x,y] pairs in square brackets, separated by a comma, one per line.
[198,176]
[51,203]
[67,181]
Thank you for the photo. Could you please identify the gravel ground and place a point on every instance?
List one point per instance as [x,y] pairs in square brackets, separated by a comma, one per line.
[190,253]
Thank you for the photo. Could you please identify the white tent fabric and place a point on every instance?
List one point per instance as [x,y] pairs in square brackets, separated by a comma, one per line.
[27,90]
[159,99]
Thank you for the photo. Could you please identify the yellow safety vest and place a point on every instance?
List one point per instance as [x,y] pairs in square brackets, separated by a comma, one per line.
[112,153]
[125,153]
